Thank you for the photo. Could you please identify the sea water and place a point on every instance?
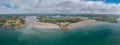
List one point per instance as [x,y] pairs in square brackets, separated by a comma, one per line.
[99,34]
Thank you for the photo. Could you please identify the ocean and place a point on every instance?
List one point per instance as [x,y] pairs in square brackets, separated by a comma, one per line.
[97,34]
[100,34]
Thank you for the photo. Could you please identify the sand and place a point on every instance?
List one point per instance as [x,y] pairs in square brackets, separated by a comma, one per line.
[83,23]
[73,25]
[44,25]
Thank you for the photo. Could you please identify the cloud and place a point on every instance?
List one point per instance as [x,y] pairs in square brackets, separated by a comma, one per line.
[58,6]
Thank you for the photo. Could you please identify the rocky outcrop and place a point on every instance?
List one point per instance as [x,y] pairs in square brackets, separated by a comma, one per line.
[13,24]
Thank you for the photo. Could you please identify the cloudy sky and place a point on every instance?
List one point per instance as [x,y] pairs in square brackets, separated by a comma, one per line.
[60,6]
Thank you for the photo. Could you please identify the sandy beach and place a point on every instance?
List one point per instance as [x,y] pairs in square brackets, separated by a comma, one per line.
[73,25]
[34,22]
[44,25]
[83,23]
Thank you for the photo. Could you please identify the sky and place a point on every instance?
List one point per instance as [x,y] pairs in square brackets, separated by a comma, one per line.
[60,6]
[112,1]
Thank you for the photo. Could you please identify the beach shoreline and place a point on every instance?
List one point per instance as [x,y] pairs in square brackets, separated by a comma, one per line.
[72,25]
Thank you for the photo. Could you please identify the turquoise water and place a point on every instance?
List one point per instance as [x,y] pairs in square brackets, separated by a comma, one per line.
[99,34]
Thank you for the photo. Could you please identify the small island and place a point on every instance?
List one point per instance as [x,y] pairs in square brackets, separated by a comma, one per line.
[11,22]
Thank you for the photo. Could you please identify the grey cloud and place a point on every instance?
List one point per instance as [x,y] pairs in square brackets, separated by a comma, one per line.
[60,6]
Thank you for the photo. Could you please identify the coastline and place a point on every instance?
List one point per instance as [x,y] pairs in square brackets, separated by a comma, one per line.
[44,25]
[83,23]
[72,25]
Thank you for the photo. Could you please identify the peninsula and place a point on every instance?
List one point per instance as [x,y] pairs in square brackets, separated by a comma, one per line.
[64,23]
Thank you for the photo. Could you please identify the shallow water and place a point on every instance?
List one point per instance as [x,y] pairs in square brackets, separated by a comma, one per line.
[100,34]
